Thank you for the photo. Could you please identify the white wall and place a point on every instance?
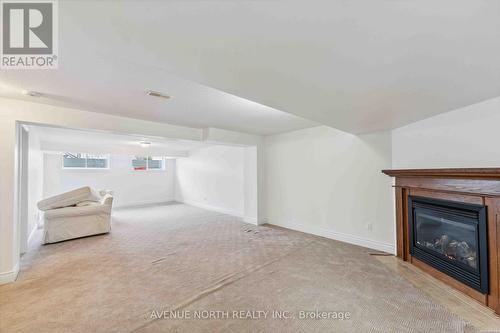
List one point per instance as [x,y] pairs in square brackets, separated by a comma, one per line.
[466,137]
[130,187]
[35,180]
[251,179]
[254,168]
[328,182]
[213,178]
[23,160]
[11,113]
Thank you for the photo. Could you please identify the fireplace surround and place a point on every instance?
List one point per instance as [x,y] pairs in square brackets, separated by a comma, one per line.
[448,225]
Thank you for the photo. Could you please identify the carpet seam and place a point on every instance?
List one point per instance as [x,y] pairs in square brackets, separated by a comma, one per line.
[219,286]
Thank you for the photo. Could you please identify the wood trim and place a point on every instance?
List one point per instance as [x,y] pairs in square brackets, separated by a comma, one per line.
[399,224]
[406,233]
[493,210]
[463,173]
[478,186]
[450,281]
[448,196]
[497,282]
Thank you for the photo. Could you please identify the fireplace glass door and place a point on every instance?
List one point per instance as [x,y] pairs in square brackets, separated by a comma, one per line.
[447,237]
[451,237]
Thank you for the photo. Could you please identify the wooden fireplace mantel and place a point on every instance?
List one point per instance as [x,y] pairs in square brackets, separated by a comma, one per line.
[469,185]
[457,173]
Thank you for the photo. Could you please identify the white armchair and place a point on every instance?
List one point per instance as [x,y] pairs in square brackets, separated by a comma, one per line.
[85,213]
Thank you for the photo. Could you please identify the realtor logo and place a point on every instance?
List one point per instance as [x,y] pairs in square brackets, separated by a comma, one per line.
[29,34]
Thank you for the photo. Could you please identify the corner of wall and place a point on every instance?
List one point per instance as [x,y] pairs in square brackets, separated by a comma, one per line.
[340,236]
[9,276]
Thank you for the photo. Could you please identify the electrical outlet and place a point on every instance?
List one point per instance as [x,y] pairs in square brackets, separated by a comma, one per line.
[369,226]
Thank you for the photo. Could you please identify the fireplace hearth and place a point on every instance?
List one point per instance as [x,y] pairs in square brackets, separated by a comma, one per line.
[448,225]
[451,237]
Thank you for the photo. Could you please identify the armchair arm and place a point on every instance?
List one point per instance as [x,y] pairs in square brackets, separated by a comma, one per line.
[107,200]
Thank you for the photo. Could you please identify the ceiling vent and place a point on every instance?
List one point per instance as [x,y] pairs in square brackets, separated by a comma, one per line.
[157,94]
[31,93]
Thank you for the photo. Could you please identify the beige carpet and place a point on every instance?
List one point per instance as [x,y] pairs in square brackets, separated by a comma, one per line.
[184,259]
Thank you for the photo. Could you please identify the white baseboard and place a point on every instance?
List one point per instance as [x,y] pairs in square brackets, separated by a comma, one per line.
[35,228]
[10,276]
[143,204]
[214,208]
[340,236]
[252,220]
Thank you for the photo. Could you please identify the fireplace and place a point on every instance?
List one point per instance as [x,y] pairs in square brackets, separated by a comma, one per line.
[448,226]
[451,237]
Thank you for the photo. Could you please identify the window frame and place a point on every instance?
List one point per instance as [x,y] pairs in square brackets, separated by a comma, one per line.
[162,158]
[107,157]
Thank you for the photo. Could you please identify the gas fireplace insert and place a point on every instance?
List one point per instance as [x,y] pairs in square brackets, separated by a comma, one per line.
[451,237]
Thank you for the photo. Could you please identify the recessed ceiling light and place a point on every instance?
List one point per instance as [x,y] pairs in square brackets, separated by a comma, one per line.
[157,94]
[31,93]
[145,144]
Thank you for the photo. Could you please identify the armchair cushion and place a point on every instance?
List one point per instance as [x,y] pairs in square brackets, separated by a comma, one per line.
[87,203]
[70,198]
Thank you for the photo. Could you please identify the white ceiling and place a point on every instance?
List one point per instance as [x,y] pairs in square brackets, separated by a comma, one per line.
[56,139]
[119,87]
[359,66]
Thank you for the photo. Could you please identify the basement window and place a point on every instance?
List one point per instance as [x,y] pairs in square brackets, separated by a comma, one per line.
[148,163]
[85,161]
